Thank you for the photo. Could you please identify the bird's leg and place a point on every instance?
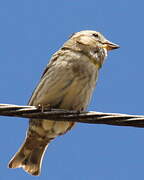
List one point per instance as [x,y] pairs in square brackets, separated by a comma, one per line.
[44,107]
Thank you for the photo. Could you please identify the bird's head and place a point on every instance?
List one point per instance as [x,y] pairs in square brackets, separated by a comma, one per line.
[92,43]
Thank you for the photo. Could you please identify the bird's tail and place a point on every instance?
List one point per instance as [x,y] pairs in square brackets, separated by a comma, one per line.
[30,155]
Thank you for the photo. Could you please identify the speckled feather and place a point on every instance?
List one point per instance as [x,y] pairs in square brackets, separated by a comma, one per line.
[67,83]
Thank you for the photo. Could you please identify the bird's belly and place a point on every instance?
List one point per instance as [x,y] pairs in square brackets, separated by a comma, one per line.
[55,128]
[76,97]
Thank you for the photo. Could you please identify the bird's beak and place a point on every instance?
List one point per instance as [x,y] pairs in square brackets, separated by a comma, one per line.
[110,46]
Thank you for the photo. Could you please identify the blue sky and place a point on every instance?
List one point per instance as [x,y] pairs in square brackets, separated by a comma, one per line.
[30,32]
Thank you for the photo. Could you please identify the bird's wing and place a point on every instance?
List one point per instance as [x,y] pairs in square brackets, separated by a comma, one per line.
[56,78]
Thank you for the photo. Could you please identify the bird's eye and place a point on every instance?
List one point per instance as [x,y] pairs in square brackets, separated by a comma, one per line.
[95,35]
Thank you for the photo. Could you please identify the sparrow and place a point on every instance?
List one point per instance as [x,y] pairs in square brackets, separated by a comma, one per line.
[67,83]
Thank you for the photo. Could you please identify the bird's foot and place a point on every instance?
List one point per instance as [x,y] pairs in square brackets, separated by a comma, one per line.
[44,107]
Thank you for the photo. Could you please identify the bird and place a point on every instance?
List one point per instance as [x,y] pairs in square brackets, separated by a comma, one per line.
[67,83]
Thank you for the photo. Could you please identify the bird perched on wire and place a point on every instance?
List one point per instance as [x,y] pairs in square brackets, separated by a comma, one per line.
[67,83]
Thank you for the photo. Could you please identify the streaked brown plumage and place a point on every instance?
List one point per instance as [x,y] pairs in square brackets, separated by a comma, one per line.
[67,83]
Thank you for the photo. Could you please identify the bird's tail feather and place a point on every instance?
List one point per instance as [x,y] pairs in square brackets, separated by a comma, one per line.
[30,155]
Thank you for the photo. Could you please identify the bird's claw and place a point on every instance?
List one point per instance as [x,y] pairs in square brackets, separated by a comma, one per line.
[44,107]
